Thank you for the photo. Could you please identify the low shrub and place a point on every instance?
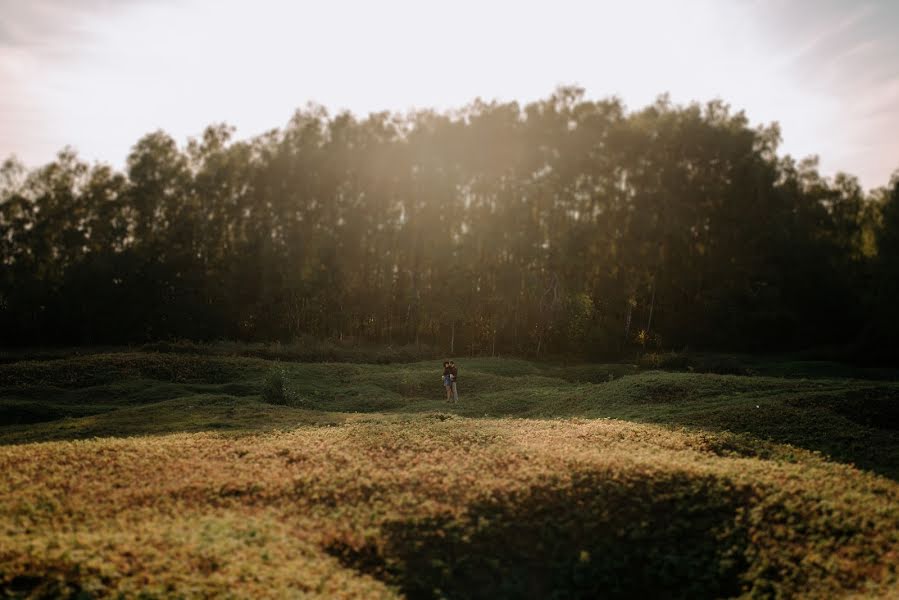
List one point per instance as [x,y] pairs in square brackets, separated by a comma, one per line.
[276,388]
[665,360]
[722,365]
[304,349]
[273,387]
[175,347]
[700,363]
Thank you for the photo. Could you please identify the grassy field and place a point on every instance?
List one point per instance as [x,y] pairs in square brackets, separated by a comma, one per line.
[189,475]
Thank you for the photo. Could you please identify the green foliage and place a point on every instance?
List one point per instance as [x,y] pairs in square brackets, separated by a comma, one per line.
[98,369]
[700,363]
[306,349]
[665,360]
[580,313]
[274,387]
[562,227]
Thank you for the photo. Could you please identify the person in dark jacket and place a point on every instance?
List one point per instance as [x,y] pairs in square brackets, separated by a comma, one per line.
[447,380]
[454,375]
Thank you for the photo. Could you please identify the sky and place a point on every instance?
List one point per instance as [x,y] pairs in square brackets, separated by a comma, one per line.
[99,74]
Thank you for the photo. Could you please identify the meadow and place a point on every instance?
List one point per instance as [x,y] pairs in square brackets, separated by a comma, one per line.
[174,474]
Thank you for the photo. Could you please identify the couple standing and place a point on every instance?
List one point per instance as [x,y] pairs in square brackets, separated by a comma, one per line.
[450,372]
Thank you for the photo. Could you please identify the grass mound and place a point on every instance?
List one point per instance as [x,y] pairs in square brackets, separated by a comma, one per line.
[876,407]
[585,535]
[92,370]
[850,420]
[439,506]
[170,474]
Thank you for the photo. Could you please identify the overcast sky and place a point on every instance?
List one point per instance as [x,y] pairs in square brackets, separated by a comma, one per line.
[98,74]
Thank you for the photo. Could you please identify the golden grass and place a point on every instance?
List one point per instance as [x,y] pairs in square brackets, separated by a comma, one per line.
[201,515]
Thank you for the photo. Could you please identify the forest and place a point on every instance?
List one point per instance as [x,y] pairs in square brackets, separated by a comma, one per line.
[562,227]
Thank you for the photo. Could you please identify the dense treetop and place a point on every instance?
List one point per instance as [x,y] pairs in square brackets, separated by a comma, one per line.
[562,226]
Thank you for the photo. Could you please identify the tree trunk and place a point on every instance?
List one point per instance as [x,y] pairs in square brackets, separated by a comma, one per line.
[452,337]
[652,302]
[627,320]
[408,322]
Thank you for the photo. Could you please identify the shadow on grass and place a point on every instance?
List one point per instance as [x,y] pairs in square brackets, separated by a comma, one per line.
[671,535]
[858,427]
[847,421]
[204,412]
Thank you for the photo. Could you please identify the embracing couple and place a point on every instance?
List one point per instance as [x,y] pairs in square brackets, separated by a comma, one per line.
[450,372]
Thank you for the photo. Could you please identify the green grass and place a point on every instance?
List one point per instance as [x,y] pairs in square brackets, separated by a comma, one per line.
[849,420]
[611,479]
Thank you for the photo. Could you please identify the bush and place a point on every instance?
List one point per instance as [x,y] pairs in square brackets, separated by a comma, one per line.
[680,361]
[665,360]
[722,365]
[276,388]
[176,347]
[303,349]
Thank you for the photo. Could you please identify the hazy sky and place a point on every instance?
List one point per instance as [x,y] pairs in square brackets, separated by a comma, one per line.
[98,74]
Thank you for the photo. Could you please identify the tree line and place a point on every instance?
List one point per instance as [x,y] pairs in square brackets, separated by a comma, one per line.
[563,226]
